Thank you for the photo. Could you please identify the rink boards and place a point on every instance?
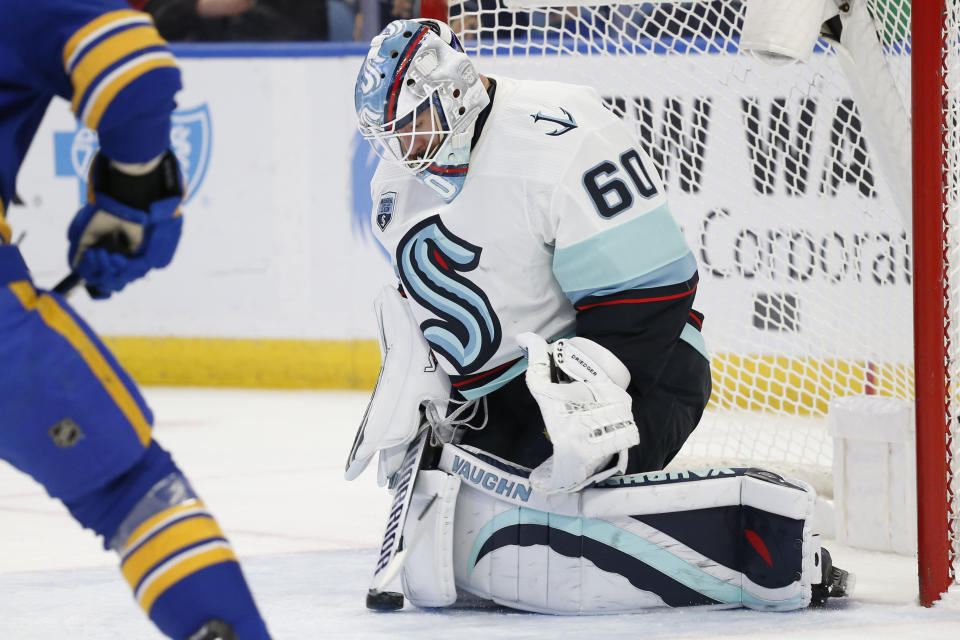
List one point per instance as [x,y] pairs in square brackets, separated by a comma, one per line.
[273,281]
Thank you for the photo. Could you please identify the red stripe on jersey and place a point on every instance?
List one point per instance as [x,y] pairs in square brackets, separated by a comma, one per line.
[638,300]
[486,374]
[696,320]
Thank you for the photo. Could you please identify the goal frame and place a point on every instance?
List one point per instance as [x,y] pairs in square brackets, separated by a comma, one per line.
[931,299]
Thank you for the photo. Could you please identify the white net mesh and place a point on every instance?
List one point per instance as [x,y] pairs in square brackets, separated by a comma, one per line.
[804,256]
[792,184]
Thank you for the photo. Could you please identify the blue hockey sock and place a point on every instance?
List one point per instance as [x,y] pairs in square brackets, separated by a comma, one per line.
[173,554]
[217,590]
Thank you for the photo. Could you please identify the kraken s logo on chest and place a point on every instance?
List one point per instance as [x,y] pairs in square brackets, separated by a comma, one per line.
[432,263]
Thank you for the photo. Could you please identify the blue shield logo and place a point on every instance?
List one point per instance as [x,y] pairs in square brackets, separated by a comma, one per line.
[191,139]
[82,149]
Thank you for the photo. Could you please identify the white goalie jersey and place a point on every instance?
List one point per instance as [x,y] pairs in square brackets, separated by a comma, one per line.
[559,204]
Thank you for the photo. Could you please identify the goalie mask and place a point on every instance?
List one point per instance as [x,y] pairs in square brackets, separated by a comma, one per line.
[417,99]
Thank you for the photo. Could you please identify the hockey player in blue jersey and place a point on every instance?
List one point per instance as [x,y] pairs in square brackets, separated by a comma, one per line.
[70,416]
[543,331]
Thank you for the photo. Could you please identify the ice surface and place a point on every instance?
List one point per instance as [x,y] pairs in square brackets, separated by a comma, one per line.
[270,466]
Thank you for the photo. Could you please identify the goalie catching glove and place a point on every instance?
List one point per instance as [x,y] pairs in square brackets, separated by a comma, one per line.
[580,387]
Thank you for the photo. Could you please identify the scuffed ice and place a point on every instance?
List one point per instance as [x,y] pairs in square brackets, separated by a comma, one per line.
[307,538]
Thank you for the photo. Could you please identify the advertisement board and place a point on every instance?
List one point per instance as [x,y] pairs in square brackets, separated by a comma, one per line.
[277,256]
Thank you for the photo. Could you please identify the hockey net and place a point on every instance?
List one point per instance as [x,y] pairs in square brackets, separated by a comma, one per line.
[793,192]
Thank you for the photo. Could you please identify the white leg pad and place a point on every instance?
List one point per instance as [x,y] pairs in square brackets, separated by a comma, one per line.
[718,538]
[427,576]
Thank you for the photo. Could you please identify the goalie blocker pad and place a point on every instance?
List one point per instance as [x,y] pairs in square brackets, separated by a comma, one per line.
[724,538]
[409,377]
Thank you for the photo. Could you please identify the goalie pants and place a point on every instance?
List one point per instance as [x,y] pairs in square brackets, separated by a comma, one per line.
[665,416]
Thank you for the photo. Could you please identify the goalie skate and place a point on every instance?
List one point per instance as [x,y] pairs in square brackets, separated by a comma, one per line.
[836,583]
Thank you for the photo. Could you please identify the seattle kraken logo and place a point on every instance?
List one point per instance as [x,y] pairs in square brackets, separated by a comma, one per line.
[385,209]
[431,260]
[190,140]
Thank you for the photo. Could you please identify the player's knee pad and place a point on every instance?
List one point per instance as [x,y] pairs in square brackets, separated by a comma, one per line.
[107,508]
[165,536]
[72,418]
[720,538]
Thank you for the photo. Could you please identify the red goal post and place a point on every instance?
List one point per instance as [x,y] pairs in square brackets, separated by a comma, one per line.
[935,175]
[821,306]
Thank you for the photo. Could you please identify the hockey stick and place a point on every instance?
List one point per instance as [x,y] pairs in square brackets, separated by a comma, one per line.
[66,286]
[394,566]
[392,556]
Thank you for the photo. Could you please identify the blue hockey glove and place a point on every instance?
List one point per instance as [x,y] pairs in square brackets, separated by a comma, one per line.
[131,225]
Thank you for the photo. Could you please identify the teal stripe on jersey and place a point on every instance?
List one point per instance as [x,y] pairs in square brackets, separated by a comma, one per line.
[648,251]
[695,339]
[518,368]
[674,273]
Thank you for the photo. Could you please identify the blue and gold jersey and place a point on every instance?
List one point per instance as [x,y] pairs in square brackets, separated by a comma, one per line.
[105,58]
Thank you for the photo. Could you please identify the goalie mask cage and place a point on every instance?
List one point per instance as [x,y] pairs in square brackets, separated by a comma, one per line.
[792,183]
